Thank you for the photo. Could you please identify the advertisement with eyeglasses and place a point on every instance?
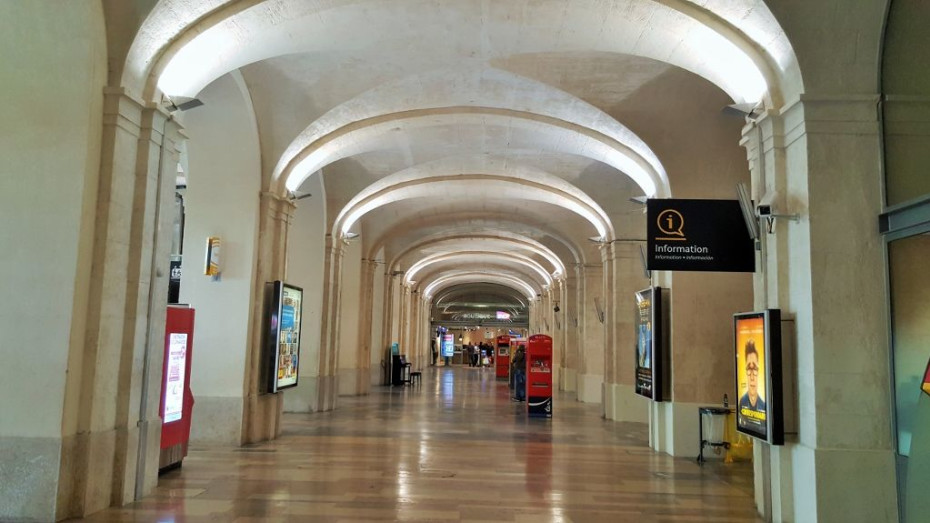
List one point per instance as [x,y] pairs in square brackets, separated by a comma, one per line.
[759,410]
[751,413]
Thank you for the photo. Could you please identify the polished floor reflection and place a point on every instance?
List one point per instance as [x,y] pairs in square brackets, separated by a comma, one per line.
[454,449]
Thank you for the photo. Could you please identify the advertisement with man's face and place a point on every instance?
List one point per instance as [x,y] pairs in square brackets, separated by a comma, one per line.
[751,413]
[644,333]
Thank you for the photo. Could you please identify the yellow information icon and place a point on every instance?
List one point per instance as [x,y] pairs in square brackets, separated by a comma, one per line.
[671,223]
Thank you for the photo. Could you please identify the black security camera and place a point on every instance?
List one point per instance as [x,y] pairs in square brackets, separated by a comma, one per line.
[556,309]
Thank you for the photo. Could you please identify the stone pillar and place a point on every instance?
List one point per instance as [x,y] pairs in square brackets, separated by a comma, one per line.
[622,403]
[558,331]
[329,331]
[389,325]
[262,413]
[821,155]
[111,426]
[591,351]
[403,324]
[571,304]
[366,310]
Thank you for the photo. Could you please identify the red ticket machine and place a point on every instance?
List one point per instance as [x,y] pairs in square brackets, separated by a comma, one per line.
[539,376]
[502,357]
[177,402]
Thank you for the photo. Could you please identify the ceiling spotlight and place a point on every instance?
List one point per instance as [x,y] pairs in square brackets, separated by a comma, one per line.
[598,239]
[641,200]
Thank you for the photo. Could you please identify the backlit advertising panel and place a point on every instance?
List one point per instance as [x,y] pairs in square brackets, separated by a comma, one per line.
[758,375]
[174,377]
[283,317]
[448,345]
[649,348]
[289,337]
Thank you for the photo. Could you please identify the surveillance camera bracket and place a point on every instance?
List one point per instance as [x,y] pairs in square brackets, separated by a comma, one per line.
[770,220]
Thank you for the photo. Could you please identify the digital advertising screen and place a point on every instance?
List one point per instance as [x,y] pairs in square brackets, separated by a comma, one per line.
[758,375]
[289,336]
[648,379]
[283,308]
[448,345]
[174,377]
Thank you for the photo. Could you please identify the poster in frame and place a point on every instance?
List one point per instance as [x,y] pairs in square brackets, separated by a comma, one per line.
[758,356]
[283,314]
[650,349]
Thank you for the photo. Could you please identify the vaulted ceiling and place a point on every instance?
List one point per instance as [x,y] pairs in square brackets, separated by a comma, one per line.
[465,139]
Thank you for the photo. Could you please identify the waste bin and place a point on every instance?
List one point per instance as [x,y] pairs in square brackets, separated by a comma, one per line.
[712,424]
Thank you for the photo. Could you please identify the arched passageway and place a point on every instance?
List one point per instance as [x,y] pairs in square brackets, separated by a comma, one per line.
[382,154]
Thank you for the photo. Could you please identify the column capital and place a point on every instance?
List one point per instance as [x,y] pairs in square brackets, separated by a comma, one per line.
[280,208]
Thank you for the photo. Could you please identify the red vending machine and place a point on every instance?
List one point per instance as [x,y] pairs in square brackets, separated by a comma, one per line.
[502,357]
[177,402]
[539,376]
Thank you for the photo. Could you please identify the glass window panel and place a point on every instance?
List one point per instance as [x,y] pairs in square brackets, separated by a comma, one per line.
[910,303]
[906,86]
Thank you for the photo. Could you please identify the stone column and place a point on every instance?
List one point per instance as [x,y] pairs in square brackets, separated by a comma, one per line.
[365,317]
[111,429]
[571,305]
[558,332]
[403,324]
[623,404]
[262,411]
[821,156]
[591,351]
[329,331]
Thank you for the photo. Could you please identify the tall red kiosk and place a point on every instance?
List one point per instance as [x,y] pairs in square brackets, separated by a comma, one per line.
[502,357]
[539,376]
[177,402]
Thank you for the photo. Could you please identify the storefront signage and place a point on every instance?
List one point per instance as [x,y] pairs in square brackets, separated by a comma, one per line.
[697,235]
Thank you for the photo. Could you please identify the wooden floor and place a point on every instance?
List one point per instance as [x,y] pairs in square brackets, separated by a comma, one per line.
[456,449]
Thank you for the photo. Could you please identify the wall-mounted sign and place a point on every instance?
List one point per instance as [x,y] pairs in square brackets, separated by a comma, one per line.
[759,410]
[212,262]
[174,281]
[501,315]
[697,235]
